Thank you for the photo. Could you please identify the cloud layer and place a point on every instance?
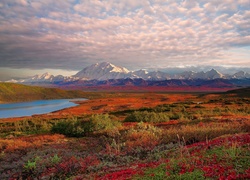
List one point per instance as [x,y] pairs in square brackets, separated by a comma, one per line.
[136,34]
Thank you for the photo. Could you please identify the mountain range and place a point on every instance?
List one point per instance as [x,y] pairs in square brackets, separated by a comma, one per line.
[108,74]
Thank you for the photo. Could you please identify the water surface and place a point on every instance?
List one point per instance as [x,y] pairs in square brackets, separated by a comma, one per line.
[35,107]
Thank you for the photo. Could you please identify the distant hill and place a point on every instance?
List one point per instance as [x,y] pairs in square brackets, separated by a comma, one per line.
[243,92]
[11,92]
[184,83]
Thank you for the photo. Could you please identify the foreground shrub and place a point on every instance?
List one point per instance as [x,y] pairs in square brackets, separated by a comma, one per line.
[142,136]
[72,127]
[189,134]
[161,172]
[100,123]
[146,116]
[26,126]
[222,158]
[103,124]
[21,143]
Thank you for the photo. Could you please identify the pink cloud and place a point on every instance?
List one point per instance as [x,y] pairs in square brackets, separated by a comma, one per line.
[123,30]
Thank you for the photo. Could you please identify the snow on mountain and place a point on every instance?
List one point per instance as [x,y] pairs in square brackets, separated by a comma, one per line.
[185,75]
[13,81]
[44,78]
[158,75]
[140,74]
[213,74]
[240,75]
[59,78]
[107,71]
[103,71]
[155,75]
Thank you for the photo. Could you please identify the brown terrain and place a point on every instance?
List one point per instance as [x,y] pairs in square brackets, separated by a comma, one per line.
[119,102]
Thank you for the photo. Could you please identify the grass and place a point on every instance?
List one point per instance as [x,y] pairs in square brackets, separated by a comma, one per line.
[11,92]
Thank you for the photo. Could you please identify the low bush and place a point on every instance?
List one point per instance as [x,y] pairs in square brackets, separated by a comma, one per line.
[27,126]
[73,127]
[142,136]
[162,108]
[161,172]
[200,132]
[104,124]
[29,142]
[99,123]
[145,116]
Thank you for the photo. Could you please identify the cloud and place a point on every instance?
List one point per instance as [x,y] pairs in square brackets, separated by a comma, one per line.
[72,34]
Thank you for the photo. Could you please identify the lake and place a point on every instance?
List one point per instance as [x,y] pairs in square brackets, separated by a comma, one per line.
[35,107]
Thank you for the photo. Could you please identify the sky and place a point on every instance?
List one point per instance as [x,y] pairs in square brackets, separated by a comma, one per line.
[64,36]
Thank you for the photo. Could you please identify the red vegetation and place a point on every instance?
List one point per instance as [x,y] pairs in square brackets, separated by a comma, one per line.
[213,166]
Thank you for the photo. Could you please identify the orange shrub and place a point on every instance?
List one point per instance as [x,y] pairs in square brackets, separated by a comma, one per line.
[200,132]
[12,144]
[142,136]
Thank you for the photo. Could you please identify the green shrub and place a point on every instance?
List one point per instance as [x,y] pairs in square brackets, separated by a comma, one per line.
[99,123]
[55,159]
[176,116]
[145,116]
[153,173]
[102,123]
[31,165]
[161,171]
[72,127]
[196,174]
[34,125]
[199,106]
[162,108]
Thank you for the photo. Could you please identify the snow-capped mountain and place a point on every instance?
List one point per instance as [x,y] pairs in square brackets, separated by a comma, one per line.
[158,75]
[212,74]
[140,74]
[44,78]
[154,75]
[103,71]
[107,71]
[185,75]
[241,74]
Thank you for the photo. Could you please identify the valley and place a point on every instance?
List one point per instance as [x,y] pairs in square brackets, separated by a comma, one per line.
[133,135]
[124,90]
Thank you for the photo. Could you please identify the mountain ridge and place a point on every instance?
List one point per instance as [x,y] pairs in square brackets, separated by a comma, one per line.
[109,74]
[102,71]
